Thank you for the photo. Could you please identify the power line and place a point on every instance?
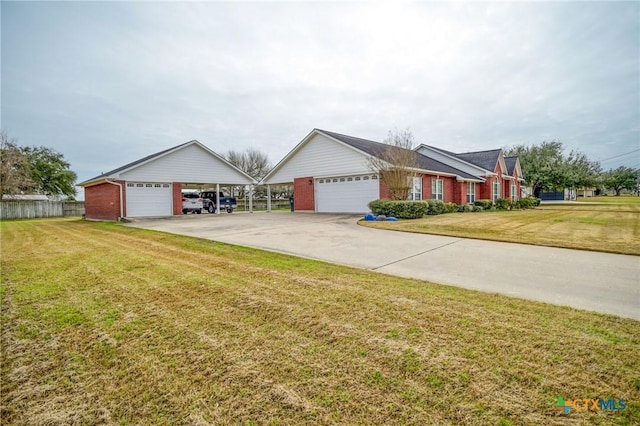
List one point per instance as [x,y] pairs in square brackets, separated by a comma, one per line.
[621,155]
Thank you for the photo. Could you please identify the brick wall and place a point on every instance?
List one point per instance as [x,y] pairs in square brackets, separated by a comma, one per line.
[102,201]
[303,198]
[177,198]
[384,191]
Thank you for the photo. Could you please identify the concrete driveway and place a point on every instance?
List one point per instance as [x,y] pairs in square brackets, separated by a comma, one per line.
[602,282]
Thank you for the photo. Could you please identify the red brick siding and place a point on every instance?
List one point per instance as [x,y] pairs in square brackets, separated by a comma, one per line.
[483,190]
[384,191]
[102,201]
[177,198]
[448,189]
[426,187]
[303,197]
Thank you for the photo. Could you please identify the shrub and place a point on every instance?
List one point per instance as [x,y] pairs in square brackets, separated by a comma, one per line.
[503,204]
[435,207]
[467,208]
[477,208]
[485,204]
[450,207]
[399,208]
[527,202]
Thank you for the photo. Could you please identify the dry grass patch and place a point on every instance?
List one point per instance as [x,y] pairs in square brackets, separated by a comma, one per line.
[103,324]
[608,228]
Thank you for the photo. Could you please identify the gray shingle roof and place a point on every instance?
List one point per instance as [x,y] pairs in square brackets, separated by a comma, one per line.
[485,159]
[376,148]
[511,164]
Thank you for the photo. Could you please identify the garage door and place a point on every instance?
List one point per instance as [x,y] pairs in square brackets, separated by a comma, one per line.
[346,194]
[149,199]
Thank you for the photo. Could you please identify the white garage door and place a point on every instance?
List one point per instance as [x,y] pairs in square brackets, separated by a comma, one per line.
[346,194]
[149,199]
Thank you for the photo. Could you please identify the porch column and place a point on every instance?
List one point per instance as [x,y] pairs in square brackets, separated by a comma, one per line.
[250,198]
[268,198]
[217,198]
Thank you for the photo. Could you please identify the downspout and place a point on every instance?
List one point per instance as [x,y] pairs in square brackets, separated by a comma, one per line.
[119,185]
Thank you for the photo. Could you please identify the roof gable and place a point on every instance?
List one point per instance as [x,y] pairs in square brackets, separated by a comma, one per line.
[367,149]
[152,167]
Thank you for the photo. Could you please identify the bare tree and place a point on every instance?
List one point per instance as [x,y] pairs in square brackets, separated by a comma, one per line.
[396,163]
[253,162]
[15,171]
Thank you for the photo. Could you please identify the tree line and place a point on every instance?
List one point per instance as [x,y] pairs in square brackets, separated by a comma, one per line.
[546,167]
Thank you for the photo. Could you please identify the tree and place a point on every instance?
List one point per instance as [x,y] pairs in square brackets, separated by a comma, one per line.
[621,178]
[396,162]
[252,161]
[50,172]
[545,167]
[580,172]
[15,173]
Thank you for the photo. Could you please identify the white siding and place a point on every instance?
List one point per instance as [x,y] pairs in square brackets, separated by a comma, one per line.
[453,162]
[322,157]
[190,164]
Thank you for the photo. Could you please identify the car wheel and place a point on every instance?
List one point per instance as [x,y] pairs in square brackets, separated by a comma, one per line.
[199,211]
[211,208]
[229,210]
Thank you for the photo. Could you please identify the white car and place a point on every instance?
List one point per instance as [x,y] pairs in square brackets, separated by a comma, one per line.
[191,202]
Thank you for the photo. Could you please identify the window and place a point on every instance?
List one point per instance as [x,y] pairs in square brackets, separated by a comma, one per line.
[129,185]
[166,185]
[514,189]
[342,179]
[415,185]
[149,185]
[357,177]
[374,177]
[365,178]
[349,179]
[157,185]
[140,185]
[471,192]
[496,190]
[437,189]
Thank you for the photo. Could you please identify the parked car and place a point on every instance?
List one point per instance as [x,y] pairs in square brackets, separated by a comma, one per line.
[191,202]
[210,199]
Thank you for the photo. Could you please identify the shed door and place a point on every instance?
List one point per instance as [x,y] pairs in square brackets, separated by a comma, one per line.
[346,194]
[149,199]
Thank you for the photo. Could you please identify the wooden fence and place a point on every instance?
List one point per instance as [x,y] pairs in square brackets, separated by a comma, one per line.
[27,209]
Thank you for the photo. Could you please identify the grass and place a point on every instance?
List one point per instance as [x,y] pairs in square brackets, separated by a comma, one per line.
[107,324]
[609,227]
[611,199]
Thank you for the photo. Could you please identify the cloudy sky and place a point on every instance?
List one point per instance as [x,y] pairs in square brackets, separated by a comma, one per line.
[106,83]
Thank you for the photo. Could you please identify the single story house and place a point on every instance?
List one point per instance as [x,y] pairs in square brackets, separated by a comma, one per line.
[332,173]
[152,186]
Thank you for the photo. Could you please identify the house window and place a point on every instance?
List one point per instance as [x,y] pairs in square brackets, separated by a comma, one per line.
[471,192]
[374,177]
[496,190]
[349,179]
[357,177]
[415,188]
[437,189]
[514,195]
[365,178]
[129,185]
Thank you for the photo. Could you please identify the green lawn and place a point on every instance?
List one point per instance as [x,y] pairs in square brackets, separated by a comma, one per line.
[622,199]
[600,227]
[107,324]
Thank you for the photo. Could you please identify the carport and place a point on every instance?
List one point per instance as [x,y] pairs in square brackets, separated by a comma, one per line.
[152,186]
